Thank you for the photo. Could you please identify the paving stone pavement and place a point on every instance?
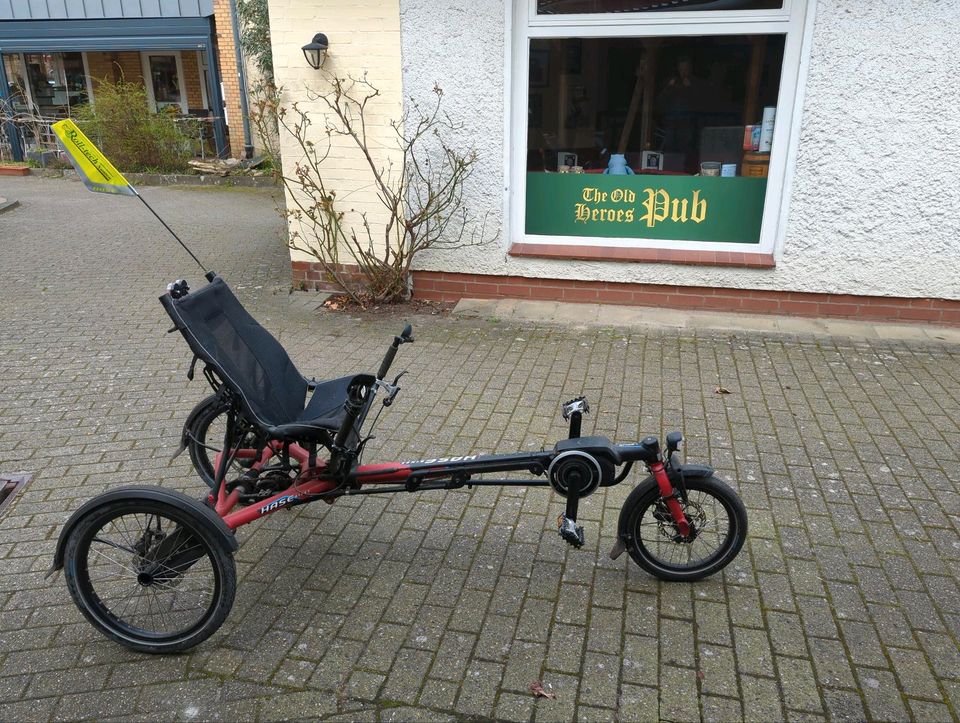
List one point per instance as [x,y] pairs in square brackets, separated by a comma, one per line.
[843,604]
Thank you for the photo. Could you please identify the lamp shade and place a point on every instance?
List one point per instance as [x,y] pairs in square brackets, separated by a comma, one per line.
[315,50]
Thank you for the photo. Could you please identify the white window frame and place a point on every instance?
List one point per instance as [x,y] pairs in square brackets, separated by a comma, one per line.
[27,89]
[794,20]
[86,76]
[148,77]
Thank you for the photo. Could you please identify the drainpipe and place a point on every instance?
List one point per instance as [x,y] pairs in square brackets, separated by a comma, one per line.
[242,77]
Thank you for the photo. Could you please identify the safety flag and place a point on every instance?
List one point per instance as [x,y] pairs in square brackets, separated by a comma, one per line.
[92,166]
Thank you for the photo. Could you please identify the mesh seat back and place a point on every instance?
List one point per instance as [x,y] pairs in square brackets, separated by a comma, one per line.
[244,354]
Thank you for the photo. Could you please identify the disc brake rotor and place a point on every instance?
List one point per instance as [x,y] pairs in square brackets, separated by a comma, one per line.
[694,512]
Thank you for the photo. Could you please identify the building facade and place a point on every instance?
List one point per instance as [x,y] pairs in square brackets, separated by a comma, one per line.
[56,52]
[787,156]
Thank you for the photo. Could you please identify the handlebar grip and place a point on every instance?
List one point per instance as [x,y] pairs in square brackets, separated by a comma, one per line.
[405,336]
[387,361]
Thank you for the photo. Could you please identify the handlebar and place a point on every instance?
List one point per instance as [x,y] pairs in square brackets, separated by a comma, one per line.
[405,337]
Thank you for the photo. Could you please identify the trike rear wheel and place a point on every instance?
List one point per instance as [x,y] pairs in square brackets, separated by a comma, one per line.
[649,532]
[148,575]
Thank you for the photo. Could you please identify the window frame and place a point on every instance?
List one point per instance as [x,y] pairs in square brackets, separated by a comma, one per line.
[148,78]
[794,20]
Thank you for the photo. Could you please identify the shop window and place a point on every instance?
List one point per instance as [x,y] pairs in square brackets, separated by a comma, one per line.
[17,80]
[689,111]
[563,7]
[56,82]
[661,135]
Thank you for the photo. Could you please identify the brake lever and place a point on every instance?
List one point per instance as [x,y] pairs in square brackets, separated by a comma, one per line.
[393,389]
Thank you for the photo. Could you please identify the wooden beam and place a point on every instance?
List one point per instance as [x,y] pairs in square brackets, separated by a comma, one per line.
[751,102]
[632,110]
[649,80]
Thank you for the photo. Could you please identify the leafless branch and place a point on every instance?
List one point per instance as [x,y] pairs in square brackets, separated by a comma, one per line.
[423,198]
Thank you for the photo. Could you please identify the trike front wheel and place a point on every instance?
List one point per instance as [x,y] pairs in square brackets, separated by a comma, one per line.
[650,535]
[149,576]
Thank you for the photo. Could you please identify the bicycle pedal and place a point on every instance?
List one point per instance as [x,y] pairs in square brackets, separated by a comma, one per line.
[570,531]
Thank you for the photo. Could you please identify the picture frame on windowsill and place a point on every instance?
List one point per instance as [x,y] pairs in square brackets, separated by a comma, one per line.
[651,161]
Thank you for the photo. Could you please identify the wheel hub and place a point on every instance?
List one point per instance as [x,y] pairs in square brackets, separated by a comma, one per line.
[694,513]
[145,579]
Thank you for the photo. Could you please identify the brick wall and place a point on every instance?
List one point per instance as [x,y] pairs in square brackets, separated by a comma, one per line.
[445,286]
[227,56]
[114,66]
[101,68]
[191,79]
[451,287]
[311,275]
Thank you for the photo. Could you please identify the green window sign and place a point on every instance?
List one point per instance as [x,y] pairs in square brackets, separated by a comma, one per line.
[681,208]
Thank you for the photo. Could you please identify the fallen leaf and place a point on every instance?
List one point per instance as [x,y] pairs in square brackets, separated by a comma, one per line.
[722,390]
[536,687]
[700,675]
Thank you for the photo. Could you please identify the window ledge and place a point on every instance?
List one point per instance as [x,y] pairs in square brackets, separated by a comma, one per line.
[747,260]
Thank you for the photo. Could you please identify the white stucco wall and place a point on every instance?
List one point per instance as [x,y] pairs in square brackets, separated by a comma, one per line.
[876,190]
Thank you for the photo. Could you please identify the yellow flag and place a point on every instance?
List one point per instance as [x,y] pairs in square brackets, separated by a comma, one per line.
[97,172]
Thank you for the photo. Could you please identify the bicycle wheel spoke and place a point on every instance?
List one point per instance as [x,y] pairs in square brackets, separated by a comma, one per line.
[659,536]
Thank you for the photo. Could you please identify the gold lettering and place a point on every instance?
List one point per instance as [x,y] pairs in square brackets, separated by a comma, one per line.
[698,208]
[616,195]
[582,213]
[679,210]
[593,195]
[628,216]
[656,205]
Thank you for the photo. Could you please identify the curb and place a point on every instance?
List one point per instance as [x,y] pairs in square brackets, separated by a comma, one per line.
[171,179]
[6,205]
[643,317]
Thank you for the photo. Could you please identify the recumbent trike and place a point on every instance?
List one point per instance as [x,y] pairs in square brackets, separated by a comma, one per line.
[153,568]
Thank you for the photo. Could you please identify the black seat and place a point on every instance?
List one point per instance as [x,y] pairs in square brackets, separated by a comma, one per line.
[253,364]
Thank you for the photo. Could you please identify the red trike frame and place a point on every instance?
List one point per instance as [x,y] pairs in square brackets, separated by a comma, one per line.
[443,473]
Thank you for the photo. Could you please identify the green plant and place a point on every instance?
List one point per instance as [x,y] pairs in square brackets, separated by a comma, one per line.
[132,137]
[265,106]
[255,34]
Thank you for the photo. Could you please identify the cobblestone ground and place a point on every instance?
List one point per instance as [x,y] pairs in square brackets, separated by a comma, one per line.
[843,604]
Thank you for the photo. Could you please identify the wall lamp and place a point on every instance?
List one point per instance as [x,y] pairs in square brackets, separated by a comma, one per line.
[316,51]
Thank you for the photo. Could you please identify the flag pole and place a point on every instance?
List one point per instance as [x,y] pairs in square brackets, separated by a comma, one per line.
[100,176]
[179,241]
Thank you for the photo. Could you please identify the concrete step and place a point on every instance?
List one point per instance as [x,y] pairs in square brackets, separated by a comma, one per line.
[567,313]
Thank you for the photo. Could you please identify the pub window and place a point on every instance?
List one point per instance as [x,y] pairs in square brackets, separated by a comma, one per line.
[563,7]
[658,132]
